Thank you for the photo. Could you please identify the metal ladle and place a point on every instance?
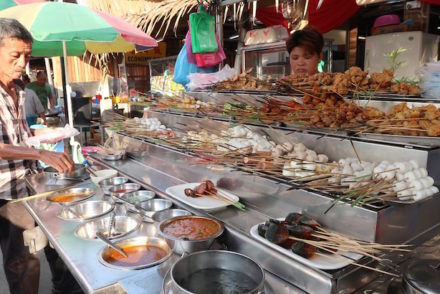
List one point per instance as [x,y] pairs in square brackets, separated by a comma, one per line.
[109,243]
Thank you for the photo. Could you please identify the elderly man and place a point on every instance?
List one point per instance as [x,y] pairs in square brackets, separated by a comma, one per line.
[21,268]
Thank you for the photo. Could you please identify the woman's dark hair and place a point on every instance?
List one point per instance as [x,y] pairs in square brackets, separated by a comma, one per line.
[309,38]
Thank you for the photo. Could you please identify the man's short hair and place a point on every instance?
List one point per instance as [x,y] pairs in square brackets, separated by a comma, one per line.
[12,28]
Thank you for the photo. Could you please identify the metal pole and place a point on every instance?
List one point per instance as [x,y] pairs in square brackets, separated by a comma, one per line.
[219,23]
[49,79]
[63,82]
[219,27]
[63,76]
[69,98]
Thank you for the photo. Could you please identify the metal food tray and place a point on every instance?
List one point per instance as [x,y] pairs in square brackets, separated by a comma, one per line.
[408,202]
[251,92]
[421,141]
[400,139]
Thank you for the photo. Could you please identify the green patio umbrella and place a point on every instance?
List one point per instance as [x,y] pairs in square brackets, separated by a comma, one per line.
[64,27]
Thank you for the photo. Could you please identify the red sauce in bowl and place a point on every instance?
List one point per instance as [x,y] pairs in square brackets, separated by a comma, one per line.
[136,255]
[192,228]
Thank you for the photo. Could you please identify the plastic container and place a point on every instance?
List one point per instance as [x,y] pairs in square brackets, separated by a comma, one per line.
[386,20]
[145,115]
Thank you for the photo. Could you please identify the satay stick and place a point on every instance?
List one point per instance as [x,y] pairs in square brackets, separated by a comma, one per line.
[44,194]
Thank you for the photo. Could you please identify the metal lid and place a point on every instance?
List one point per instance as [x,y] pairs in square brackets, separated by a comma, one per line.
[424,275]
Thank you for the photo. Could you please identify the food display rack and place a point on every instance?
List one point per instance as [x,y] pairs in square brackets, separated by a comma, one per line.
[269,197]
[372,223]
[265,198]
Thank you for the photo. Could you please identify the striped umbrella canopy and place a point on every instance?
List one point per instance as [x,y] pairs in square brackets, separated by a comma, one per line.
[10,3]
[81,28]
[63,29]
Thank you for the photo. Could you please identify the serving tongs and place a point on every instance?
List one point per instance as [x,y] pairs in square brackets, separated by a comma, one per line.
[111,244]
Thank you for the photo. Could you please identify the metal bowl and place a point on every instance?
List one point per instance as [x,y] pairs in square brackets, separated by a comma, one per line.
[151,206]
[103,174]
[217,271]
[105,253]
[148,229]
[133,198]
[112,157]
[77,173]
[106,184]
[169,213]
[123,225]
[120,190]
[86,210]
[182,245]
[78,190]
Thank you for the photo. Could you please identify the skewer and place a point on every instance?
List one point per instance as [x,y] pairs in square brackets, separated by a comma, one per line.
[355,151]
[44,194]
[224,199]
[325,248]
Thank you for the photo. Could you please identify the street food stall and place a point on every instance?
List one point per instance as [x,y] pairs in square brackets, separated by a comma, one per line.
[310,184]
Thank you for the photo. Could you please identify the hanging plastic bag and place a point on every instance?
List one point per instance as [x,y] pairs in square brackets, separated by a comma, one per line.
[183,68]
[189,55]
[211,59]
[202,27]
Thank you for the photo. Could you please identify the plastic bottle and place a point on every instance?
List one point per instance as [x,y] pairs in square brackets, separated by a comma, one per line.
[146,109]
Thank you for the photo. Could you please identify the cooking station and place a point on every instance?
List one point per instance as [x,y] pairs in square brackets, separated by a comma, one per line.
[157,167]
[81,256]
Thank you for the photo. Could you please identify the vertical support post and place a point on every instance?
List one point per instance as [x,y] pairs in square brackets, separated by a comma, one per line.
[219,26]
[69,92]
[49,79]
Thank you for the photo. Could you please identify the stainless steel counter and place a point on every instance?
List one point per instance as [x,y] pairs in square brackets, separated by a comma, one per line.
[160,168]
[80,255]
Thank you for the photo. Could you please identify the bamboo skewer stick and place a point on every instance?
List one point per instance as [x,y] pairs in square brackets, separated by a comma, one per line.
[328,249]
[223,198]
[44,194]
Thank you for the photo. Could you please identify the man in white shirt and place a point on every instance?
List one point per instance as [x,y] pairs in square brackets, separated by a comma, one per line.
[32,104]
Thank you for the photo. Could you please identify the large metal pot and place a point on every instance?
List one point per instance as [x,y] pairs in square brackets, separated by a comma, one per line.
[78,173]
[422,276]
[217,271]
[180,245]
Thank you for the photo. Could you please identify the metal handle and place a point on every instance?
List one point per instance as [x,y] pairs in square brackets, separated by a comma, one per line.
[111,224]
[109,243]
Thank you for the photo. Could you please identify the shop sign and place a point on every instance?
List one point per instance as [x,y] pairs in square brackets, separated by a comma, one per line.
[142,58]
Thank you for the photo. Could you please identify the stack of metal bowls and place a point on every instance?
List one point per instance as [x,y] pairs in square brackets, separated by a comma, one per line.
[86,210]
[148,208]
[120,190]
[133,199]
[106,184]
[122,226]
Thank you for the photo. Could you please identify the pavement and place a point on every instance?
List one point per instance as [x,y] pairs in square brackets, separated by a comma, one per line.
[45,276]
